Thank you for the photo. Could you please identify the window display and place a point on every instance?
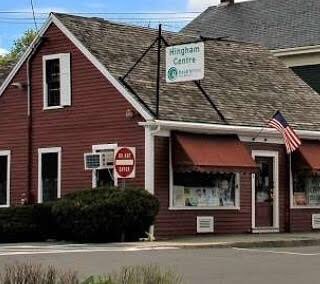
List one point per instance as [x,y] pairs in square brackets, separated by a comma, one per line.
[195,189]
[306,191]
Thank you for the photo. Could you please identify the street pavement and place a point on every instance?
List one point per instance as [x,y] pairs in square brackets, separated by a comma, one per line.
[204,265]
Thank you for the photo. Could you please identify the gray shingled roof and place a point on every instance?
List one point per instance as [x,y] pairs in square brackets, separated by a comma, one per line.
[272,23]
[246,82]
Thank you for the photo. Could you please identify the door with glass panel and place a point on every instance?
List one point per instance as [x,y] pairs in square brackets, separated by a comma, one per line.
[264,190]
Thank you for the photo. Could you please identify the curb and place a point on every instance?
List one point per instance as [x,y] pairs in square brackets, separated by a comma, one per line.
[243,244]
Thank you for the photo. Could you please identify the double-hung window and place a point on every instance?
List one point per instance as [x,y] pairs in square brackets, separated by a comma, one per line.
[56,81]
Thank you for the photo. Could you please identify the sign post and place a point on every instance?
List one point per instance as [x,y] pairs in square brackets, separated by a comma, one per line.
[125,163]
[185,62]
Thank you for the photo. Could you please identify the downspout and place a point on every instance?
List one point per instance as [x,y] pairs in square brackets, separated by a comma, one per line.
[30,120]
[150,133]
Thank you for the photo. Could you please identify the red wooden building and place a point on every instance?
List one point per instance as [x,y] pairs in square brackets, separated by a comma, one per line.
[201,155]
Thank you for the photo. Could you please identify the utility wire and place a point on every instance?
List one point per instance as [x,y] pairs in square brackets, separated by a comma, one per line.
[34,17]
[107,13]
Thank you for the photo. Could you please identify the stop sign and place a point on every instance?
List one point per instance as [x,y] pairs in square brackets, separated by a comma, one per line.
[125,162]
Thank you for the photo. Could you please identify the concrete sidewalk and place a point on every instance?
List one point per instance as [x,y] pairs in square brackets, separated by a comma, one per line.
[244,241]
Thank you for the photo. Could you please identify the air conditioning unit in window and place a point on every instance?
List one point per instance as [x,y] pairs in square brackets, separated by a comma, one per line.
[97,161]
[205,224]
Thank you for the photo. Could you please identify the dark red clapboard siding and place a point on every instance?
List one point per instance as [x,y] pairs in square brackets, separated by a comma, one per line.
[13,134]
[301,219]
[97,116]
[183,222]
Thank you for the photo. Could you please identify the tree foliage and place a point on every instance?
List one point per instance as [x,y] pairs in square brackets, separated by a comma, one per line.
[18,47]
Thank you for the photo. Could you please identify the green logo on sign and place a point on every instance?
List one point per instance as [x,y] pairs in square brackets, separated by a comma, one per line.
[172,73]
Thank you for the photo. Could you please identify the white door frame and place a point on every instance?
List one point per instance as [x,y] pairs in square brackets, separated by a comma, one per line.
[275,156]
[46,151]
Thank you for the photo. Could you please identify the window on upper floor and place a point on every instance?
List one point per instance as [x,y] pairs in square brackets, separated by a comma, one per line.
[56,81]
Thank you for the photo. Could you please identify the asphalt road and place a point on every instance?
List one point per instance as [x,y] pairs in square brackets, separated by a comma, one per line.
[227,265]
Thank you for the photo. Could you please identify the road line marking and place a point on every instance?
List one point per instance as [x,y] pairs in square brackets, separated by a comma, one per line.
[130,249]
[277,252]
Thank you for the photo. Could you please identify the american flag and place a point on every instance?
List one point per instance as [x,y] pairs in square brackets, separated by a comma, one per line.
[291,140]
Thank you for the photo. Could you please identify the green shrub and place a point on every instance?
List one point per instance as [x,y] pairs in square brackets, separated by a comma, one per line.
[27,273]
[36,274]
[25,223]
[138,275]
[105,214]
[17,222]
[95,215]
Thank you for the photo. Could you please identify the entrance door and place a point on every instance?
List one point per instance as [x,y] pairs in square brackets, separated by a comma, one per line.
[264,187]
[265,191]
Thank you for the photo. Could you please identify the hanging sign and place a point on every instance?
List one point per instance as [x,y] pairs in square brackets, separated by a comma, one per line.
[185,62]
[125,162]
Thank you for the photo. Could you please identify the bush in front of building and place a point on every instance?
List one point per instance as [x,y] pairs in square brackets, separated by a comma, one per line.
[26,223]
[95,215]
[104,214]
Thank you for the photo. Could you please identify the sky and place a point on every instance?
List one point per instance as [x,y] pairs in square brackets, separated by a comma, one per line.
[13,25]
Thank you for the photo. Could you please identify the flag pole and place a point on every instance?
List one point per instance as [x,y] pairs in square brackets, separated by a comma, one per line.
[264,127]
[290,191]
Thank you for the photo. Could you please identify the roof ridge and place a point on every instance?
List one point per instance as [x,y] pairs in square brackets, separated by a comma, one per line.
[106,21]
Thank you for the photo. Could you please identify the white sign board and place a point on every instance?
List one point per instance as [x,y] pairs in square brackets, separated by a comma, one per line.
[185,62]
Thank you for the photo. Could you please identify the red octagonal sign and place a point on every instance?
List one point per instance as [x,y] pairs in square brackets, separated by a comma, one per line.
[125,162]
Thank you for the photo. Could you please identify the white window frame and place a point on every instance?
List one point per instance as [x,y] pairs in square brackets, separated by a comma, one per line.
[59,56]
[292,205]
[41,151]
[171,187]
[96,148]
[7,153]
[276,212]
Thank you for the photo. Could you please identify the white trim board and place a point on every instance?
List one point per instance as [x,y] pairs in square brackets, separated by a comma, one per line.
[122,90]
[209,128]
[25,55]
[7,153]
[41,151]
[276,217]
[296,50]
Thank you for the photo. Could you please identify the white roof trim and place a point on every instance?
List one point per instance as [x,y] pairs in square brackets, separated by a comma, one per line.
[296,50]
[23,58]
[122,90]
[226,129]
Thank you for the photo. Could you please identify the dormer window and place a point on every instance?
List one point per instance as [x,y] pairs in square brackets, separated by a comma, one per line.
[57,81]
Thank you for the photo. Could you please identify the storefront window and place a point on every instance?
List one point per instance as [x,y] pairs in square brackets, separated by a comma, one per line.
[195,189]
[306,191]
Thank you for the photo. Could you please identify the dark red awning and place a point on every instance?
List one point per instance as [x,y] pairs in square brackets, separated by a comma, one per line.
[208,151]
[310,153]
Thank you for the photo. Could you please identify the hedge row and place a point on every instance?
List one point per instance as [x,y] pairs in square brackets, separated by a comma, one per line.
[95,215]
